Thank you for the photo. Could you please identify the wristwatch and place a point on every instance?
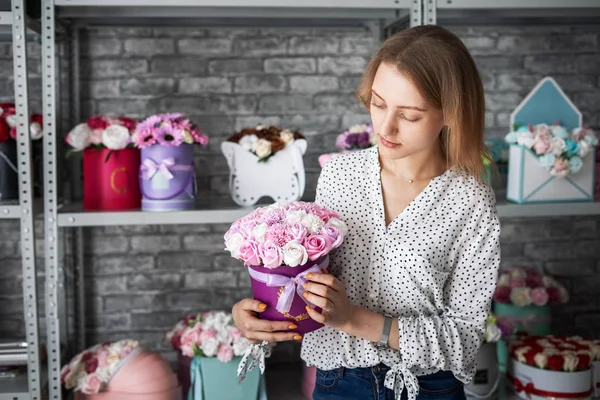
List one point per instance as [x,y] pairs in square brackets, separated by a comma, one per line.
[385,333]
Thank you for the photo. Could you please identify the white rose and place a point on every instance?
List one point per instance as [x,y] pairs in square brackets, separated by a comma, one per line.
[35,130]
[234,243]
[295,216]
[541,360]
[210,347]
[115,137]
[558,146]
[550,351]
[103,374]
[259,232]
[527,140]
[595,351]
[79,137]
[187,137]
[287,136]
[263,148]
[339,224]
[294,254]
[584,148]
[260,127]
[240,345]
[11,120]
[571,361]
[358,128]
[248,142]
[504,280]
[520,353]
[492,334]
[313,223]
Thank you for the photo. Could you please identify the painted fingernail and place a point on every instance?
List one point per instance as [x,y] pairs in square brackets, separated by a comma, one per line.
[305,294]
[262,306]
[292,326]
[297,337]
[309,276]
[308,308]
[305,285]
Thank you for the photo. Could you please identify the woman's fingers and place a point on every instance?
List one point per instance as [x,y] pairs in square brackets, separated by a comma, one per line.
[272,336]
[315,315]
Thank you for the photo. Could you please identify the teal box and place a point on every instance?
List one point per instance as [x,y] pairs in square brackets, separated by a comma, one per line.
[533,320]
[212,379]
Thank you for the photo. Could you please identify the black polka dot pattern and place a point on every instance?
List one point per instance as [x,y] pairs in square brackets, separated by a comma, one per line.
[434,267]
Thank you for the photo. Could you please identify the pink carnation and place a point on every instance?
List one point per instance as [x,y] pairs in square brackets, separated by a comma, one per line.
[316,246]
[225,353]
[191,336]
[92,385]
[207,334]
[539,296]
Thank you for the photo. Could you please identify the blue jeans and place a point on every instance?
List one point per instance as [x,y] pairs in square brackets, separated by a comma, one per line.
[368,384]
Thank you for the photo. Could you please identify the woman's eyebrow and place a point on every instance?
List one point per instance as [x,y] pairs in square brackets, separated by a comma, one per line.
[402,107]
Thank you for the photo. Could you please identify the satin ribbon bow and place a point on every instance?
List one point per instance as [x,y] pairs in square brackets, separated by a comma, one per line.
[255,355]
[399,377]
[287,296]
[520,387]
[150,168]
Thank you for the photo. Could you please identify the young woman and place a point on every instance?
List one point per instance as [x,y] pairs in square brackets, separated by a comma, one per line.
[409,291]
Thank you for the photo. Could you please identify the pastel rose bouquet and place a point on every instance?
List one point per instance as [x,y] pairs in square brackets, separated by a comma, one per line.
[554,353]
[170,130]
[524,287]
[559,151]
[208,334]
[358,137]
[101,132]
[8,124]
[264,141]
[285,234]
[90,371]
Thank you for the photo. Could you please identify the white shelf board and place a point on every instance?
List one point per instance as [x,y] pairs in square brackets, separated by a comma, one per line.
[239,3]
[511,210]
[515,4]
[73,216]
[10,210]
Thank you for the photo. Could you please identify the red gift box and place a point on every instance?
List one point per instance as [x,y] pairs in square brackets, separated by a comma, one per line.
[110,179]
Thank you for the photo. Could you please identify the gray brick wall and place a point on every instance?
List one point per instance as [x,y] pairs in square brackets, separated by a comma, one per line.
[139,280]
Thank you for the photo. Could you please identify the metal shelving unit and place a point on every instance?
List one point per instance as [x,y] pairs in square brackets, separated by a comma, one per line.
[15,26]
[379,14]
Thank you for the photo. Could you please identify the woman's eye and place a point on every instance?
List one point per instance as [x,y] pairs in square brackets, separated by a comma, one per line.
[408,119]
[377,105]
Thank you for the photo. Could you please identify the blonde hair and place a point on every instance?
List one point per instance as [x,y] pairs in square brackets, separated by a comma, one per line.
[440,66]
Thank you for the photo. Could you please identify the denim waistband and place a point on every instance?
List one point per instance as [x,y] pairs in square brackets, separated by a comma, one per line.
[382,369]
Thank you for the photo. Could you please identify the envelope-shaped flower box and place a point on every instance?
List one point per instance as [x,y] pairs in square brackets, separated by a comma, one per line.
[529,180]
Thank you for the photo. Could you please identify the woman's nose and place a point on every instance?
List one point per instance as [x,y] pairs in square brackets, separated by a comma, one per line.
[389,128]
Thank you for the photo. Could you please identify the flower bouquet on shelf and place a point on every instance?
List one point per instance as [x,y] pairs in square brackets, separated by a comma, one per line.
[167,175]
[254,153]
[9,184]
[544,367]
[120,370]
[551,153]
[209,348]
[358,137]
[110,163]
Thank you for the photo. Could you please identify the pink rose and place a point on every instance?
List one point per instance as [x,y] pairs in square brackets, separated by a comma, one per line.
[271,254]
[561,168]
[297,232]
[225,353]
[92,385]
[125,351]
[517,282]
[91,365]
[102,358]
[207,334]
[502,294]
[250,253]
[316,246]
[542,145]
[333,236]
[63,374]
[322,213]
[191,336]
[539,296]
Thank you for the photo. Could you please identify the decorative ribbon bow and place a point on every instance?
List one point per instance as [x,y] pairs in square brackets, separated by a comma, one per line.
[258,352]
[530,389]
[287,296]
[399,377]
[150,168]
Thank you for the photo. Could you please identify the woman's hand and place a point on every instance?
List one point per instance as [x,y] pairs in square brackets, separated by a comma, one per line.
[257,330]
[328,293]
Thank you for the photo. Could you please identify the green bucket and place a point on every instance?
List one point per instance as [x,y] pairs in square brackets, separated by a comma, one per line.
[532,320]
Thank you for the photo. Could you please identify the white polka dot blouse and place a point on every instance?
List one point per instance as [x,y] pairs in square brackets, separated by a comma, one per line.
[434,267]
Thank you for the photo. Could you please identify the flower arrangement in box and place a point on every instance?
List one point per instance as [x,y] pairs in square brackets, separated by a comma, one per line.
[358,137]
[110,162]
[559,151]
[90,371]
[167,175]
[207,343]
[281,244]
[265,141]
[523,287]
[9,183]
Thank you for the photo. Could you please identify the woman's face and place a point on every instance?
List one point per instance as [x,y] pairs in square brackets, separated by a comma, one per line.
[405,124]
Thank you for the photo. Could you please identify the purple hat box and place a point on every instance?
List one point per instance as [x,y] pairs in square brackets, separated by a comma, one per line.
[269,295]
[168,178]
